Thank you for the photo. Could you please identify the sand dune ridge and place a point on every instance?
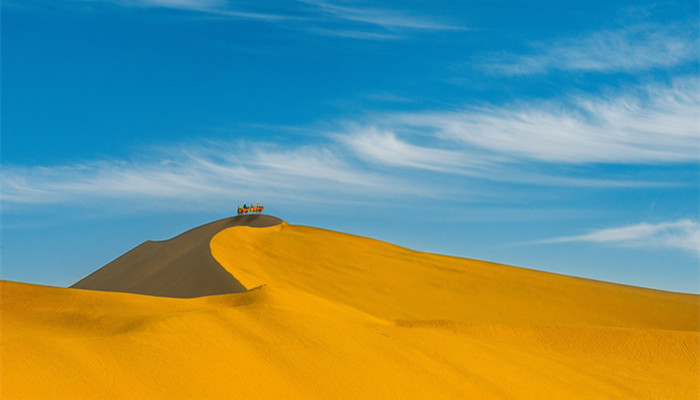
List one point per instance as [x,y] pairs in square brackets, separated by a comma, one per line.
[333,315]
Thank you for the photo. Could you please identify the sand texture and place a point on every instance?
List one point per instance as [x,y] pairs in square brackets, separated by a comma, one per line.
[332,315]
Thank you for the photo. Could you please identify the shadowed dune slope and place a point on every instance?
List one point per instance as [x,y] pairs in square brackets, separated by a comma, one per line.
[178,267]
[340,316]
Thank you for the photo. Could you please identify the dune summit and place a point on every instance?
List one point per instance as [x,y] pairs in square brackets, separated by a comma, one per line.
[334,315]
[179,267]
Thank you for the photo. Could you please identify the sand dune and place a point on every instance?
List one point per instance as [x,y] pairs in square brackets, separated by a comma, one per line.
[178,267]
[391,282]
[333,315]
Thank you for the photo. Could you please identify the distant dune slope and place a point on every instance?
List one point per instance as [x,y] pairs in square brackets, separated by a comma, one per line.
[391,282]
[333,315]
[178,267]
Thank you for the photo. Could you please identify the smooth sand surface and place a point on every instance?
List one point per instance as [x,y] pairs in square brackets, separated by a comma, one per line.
[333,315]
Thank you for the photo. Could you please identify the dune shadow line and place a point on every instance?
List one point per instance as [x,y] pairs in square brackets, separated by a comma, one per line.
[181,267]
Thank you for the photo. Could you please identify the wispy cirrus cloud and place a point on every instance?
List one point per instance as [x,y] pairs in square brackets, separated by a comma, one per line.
[322,17]
[627,49]
[384,147]
[386,18]
[356,34]
[198,173]
[182,4]
[221,8]
[683,235]
[649,124]
[376,157]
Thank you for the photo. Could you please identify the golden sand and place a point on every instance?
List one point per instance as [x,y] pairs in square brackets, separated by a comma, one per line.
[339,316]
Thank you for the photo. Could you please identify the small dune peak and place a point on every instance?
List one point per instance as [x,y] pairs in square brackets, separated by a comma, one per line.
[180,267]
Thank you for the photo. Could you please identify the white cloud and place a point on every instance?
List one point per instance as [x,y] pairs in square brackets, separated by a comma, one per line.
[377,157]
[317,164]
[216,7]
[319,16]
[199,173]
[682,234]
[646,125]
[633,48]
[355,34]
[389,19]
[384,147]
[186,4]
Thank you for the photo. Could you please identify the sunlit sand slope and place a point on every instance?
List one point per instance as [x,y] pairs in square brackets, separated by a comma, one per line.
[339,316]
[178,267]
[391,282]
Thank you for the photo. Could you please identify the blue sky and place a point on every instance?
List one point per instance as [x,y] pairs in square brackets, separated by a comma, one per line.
[558,136]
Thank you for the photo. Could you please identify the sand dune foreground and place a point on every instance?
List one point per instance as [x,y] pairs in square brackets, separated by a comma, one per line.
[331,315]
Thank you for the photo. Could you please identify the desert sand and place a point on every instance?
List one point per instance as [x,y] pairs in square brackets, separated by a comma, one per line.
[309,313]
[180,267]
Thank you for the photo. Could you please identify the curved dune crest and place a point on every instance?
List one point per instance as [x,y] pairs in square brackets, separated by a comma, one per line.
[395,283]
[334,315]
[178,267]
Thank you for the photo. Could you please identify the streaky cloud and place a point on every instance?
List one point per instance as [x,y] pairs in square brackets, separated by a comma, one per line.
[355,34]
[645,125]
[389,19]
[198,173]
[320,17]
[683,235]
[629,49]
[183,4]
[535,143]
[384,147]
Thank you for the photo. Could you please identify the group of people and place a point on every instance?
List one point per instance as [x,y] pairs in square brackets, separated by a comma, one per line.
[250,209]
